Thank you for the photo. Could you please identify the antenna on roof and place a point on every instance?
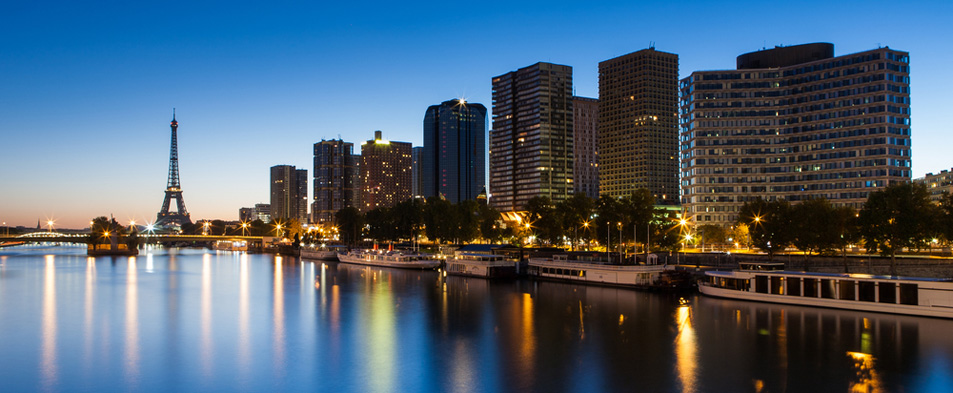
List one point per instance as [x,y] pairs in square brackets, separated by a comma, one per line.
[651,44]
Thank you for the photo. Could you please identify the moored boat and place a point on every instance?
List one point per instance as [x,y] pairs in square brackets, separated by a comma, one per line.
[390,259]
[321,252]
[560,267]
[481,265]
[860,292]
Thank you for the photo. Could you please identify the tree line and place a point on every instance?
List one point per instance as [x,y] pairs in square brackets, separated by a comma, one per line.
[577,221]
[900,216]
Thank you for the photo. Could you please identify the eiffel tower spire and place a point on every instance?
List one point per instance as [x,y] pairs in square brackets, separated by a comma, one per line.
[173,190]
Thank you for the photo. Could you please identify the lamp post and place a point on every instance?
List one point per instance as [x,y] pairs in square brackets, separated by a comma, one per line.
[620,242]
[50,223]
[586,225]
[244,229]
[608,239]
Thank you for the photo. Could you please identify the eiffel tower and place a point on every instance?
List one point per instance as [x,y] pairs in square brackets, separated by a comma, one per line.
[165,218]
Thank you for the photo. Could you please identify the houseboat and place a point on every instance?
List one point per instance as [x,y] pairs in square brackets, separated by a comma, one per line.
[593,271]
[860,292]
[321,252]
[390,259]
[481,265]
[231,245]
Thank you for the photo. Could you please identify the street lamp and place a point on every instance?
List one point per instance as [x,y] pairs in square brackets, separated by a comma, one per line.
[205,228]
[244,228]
[586,225]
[50,223]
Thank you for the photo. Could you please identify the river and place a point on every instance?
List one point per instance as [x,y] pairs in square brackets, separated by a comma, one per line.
[199,320]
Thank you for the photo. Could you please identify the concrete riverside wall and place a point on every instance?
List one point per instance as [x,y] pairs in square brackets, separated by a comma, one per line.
[906,266]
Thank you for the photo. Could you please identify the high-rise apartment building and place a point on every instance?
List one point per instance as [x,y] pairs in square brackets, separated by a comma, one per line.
[289,193]
[585,152]
[794,123]
[385,172]
[336,179]
[937,184]
[531,151]
[638,125]
[453,159]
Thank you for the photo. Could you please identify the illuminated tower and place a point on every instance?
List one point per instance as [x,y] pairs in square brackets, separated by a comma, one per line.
[173,190]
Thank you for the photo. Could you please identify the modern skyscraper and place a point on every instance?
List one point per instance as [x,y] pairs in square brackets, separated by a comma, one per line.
[638,125]
[336,179]
[531,144]
[385,172]
[453,159]
[585,154]
[794,123]
[289,191]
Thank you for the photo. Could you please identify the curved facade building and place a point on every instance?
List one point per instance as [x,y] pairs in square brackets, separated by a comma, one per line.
[832,127]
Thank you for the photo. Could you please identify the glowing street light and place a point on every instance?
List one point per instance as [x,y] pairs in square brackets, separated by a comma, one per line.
[50,223]
[244,228]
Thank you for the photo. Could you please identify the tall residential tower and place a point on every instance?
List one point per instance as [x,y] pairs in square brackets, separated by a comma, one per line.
[638,125]
[336,180]
[531,144]
[385,172]
[453,159]
[289,193]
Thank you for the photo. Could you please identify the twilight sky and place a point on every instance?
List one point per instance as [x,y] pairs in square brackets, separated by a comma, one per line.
[87,88]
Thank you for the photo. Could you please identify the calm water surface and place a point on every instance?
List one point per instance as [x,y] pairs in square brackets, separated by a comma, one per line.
[172,320]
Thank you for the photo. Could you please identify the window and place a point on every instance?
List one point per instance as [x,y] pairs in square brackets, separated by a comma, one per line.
[761,284]
[846,290]
[777,285]
[909,294]
[810,287]
[794,286]
[866,290]
[827,289]
[888,292]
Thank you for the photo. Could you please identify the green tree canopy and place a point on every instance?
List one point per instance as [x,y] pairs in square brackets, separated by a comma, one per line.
[896,217]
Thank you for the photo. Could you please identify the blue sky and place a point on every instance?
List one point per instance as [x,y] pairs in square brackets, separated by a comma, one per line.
[87,88]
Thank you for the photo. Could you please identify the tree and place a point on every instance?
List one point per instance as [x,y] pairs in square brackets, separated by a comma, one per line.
[712,234]
[609,214]
[769,224]
[491,226]
[350,223]
[575,212]
[812,232]
[898,216]
[440,219]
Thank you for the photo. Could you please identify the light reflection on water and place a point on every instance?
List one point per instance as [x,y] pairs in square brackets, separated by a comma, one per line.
[173,320]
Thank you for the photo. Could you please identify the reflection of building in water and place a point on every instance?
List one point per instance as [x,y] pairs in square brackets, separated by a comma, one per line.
[867,379]
[791,340]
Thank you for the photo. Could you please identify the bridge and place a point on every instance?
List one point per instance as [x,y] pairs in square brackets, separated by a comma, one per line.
[83,238]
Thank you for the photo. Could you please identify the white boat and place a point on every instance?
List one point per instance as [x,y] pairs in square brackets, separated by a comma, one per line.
[560,267]
[860,292]
[390,259]
[321,252]
[231,245]
[481,265]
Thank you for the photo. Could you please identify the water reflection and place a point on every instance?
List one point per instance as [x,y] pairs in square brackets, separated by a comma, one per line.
[244,339]
[48,366]
[206,314]
[685,349]
[278,317]
[131,362]
[73,322]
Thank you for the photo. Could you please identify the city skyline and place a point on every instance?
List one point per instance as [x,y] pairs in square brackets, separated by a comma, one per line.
[89,91]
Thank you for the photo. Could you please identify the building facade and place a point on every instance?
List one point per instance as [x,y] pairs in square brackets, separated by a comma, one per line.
[453,161]
[336,179]
[794,123]
[638,125]
[585,146]
[386,176]
[416,154]
[531,143]
[262,212]
[289,193]
[937,184]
